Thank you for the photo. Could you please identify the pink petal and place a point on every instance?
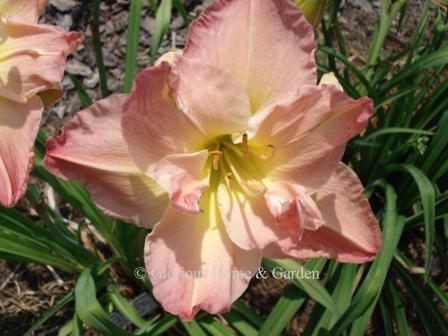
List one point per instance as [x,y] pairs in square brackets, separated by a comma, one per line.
[291,203]
[33,58]
[182,246]
[41,4]
[350,233]
[19,124]
[309,130]
[248,221]
[184,177]
[92,151]
[266,44]
[283,212]
[25,10]
[212,98]
[153,127]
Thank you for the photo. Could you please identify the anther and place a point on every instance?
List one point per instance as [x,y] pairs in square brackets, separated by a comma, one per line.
[245,147]
[229,180]
[216,157]
[255,187]
[271,153]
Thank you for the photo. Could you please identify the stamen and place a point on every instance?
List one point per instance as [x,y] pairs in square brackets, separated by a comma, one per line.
[229,180]
[251,188]
[271,153]
[255,186]
[245,147]
[216,157]
[215,152]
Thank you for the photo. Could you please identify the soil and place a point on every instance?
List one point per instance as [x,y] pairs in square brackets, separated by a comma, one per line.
[28,290]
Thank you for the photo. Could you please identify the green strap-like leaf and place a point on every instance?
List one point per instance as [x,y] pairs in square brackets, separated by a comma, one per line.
[194,329]
[96,40]
[125,307]
[283,311]
[89,309]
[49,313]
[427,195]
[312,287]
[238,321]
[163,18]
[132,44]
[368,293]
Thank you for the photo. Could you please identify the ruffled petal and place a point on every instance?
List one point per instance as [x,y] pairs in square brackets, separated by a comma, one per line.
[350,233]
[291,203]
[212,98]
[152,125]
[92,151]
[308,131]
[32,57]
[266,44]
[184,177]
[19,124]
[193,264]
[248,221]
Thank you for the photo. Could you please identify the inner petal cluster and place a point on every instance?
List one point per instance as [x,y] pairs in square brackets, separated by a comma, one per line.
[240,166]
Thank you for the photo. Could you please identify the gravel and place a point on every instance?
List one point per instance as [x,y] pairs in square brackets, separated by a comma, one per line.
[358,18]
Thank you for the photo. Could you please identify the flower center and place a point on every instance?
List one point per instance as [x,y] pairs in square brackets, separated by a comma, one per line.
[239,166]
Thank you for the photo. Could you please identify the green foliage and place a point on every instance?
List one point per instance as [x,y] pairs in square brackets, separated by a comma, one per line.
[402,159]
[96,40]
[163,18]
[132,43]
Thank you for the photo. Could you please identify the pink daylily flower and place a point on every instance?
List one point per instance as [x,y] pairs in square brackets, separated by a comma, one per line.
[230,153]
[32,61]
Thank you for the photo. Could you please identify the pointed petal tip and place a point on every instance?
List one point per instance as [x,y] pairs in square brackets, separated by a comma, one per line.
[275,30]
[74,40]
[188,276]
[367,110]
[92,152]
[351,232]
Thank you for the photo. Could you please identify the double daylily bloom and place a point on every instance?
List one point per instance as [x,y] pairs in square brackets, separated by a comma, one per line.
[32,62]
[230,153]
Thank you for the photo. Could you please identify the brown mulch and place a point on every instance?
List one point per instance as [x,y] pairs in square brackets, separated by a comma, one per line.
[26,292]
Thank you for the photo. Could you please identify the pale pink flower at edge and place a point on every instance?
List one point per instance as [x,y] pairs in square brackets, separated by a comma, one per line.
[233,152]
[32,61]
